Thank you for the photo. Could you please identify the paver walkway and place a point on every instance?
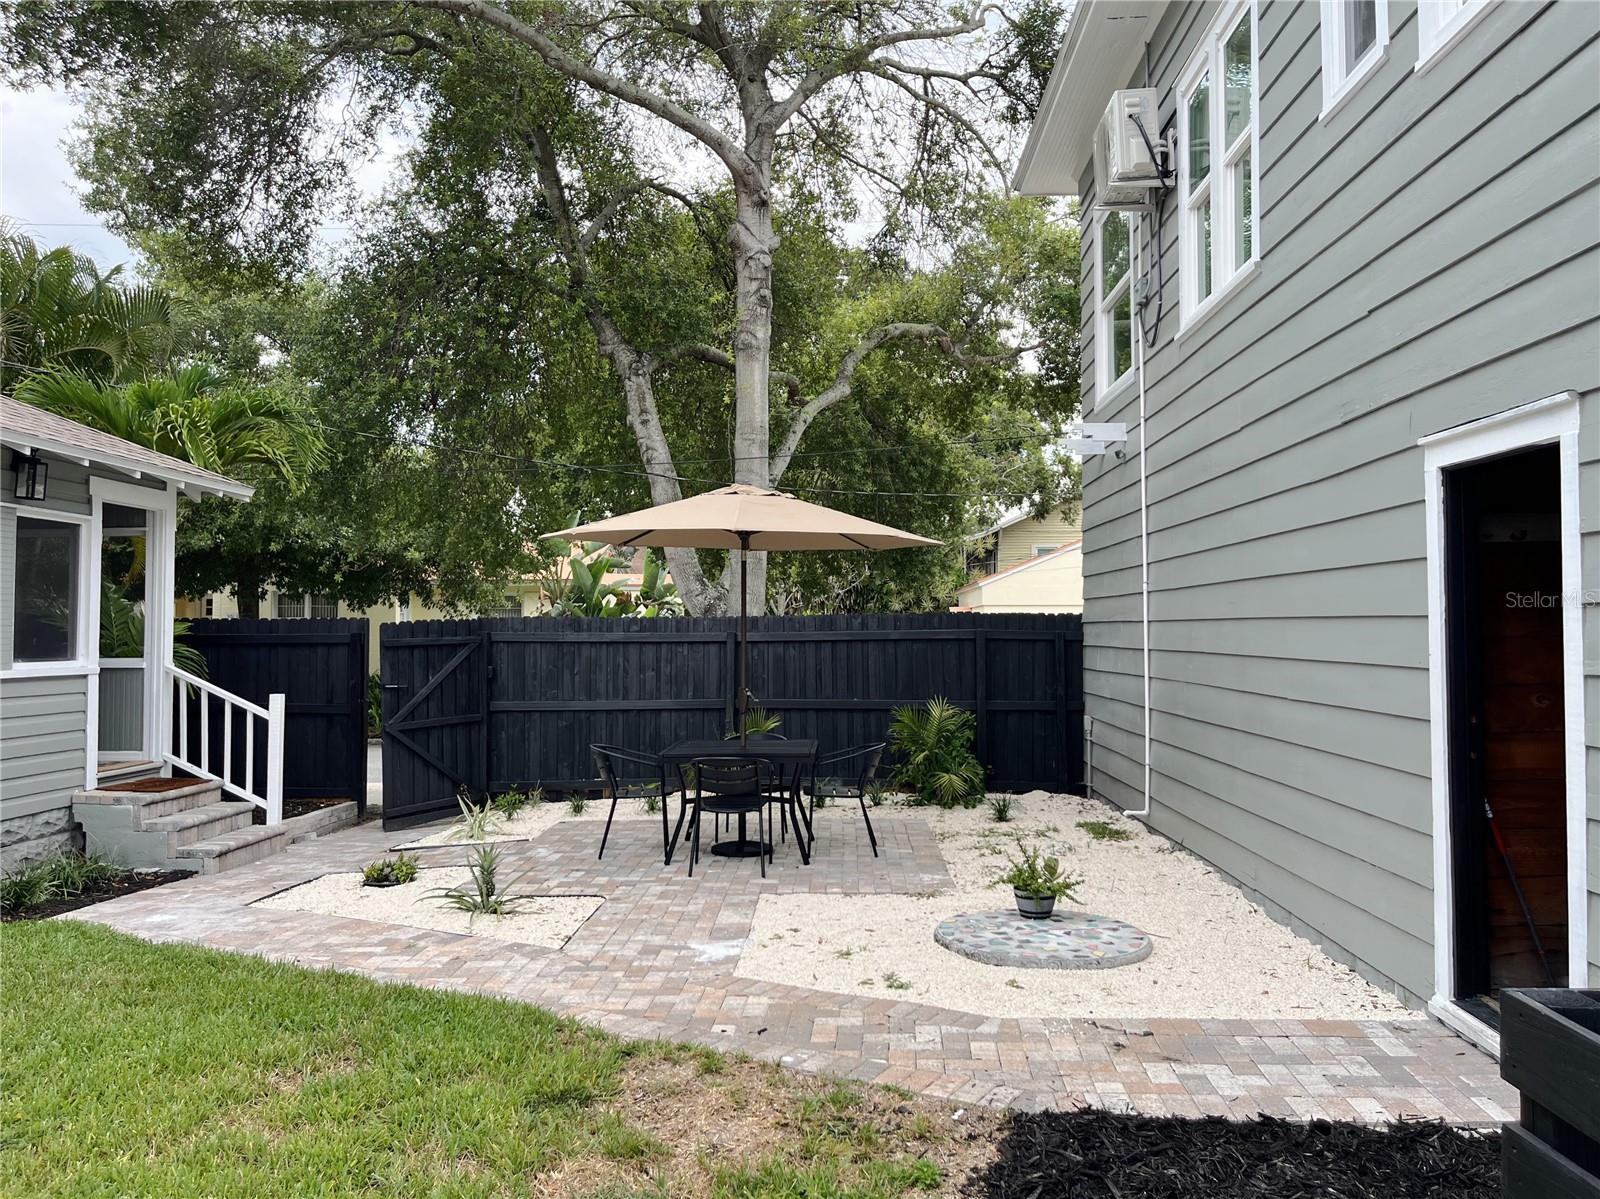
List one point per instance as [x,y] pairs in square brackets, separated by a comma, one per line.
[656,961]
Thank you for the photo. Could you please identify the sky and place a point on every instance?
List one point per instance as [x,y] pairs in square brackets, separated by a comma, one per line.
[37,184]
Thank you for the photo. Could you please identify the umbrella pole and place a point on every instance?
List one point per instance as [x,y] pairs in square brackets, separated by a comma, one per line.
[744,643]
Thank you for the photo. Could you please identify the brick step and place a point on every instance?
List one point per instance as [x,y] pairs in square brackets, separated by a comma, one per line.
[199,824]
[144,806]
[240,847]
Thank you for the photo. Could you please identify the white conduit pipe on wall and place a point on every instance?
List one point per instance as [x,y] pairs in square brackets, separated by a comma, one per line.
[1144,554]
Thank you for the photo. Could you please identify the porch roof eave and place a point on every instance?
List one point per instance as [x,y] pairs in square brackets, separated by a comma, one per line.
[32,430]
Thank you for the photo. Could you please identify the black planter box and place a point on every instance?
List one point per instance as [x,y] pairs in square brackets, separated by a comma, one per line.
[1550,1051]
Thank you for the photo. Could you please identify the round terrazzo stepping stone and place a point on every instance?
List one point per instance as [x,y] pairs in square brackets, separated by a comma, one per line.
[1063,941]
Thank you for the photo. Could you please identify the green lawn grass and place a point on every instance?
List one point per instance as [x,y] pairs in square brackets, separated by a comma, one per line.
[135,1069]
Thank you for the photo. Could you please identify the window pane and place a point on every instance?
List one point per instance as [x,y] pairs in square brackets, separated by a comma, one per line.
[1200,133]
[1360,29]
[1122,336]
[1243,224]
[324,607]
[46,591]
[1238,81]
[1113,251]
[1203,254]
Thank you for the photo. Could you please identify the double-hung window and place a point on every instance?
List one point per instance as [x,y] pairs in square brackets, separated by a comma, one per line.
[1218,161]
[1441,23]
[1114,315]
[1355,37]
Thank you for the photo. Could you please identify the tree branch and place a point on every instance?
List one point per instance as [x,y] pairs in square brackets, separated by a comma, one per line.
[857,57]
[844,378]
[560,60]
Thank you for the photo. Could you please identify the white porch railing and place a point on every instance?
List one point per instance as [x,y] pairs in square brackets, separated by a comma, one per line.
[234,710]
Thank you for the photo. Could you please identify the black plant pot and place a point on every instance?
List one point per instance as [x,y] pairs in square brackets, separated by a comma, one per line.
[1034,907]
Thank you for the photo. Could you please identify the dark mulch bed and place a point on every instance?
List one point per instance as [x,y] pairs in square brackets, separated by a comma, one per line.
[1092,1154]
[124,884]
[299,807]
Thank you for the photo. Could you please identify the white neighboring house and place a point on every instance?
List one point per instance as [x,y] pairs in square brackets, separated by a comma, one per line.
[68,718]
[1025,563]
[1050,581]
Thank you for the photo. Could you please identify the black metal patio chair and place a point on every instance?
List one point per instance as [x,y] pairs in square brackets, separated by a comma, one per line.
[848,774]
[740,787]
[612,761]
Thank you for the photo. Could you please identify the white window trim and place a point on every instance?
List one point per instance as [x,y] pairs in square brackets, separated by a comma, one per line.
[1105,386]
[1207,60]
[87,617]
[1338,85]
[1552,420]
[1438,30]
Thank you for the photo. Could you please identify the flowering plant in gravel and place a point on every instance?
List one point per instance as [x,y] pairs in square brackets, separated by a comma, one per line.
[390,872]
[1039,877]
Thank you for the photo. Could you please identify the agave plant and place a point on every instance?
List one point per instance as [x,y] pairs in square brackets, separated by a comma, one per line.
[477,823]
[937,764]
[483,892]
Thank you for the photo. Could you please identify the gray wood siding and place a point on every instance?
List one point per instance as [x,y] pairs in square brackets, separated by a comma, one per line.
[42,750]
[1431,256]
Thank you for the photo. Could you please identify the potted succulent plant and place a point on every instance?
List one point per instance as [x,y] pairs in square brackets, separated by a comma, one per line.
[390,872]
[1037,882]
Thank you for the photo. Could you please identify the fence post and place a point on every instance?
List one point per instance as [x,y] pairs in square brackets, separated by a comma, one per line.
[275,715]
[980,702]
[486,773]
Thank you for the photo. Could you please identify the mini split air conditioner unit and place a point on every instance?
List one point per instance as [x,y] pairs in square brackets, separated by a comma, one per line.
[1125,169]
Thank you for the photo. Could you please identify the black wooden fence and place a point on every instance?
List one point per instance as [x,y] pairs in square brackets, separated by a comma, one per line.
[320,666]
[494,704]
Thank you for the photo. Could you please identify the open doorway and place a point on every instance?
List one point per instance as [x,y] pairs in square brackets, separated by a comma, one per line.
[1507,728]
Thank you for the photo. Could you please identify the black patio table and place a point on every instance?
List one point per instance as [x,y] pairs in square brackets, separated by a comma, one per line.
[787,755]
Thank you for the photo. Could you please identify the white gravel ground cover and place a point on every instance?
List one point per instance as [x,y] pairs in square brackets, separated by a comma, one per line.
[534,819]
[1216,954]
[543,920]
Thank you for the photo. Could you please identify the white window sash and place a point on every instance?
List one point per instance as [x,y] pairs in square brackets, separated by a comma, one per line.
[1339,78]
[1443,23]
[1105,337]
[1226,269]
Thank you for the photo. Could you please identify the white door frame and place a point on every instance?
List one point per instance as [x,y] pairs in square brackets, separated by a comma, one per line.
[1550,421]
[161,515]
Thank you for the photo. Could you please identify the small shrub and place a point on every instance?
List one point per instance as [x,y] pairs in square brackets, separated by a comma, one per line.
[484,892]
[652,804]
[895,983]
[389,871]
[1000,809]
[876,795]
[1099,830]
[509,803]
[64,876]
[757,721]
[577,803]
[476,823]
[1040,877]
[935,747]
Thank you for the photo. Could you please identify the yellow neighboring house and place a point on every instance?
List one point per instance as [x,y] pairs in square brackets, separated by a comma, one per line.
[1026,564]
[522,598]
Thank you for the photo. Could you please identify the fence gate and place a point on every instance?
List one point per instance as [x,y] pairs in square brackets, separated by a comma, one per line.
[320,666]
[435,718]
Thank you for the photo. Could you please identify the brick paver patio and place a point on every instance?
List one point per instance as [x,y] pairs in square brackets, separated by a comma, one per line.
[656,961]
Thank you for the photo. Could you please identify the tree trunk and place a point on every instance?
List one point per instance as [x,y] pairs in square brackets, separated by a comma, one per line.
[248,593]
[753,243]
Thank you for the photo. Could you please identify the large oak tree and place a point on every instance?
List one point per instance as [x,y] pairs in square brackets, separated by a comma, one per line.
[237,124]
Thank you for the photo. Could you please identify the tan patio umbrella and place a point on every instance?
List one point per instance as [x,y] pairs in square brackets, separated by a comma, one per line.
[742,517]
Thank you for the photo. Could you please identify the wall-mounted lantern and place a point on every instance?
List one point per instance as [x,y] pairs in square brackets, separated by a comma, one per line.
[32,473]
